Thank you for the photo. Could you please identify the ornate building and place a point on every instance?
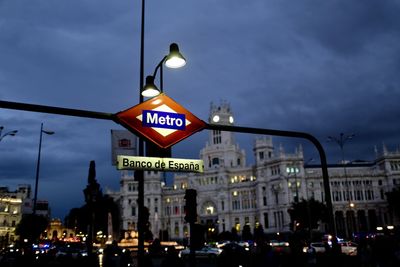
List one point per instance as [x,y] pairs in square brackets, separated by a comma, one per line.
[12,205]
[232,194]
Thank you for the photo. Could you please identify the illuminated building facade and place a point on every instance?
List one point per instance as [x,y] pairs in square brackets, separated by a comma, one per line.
[12,205]
[232,194]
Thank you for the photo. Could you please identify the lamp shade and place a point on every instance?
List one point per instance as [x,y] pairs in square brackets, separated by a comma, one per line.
[150,89]
[174,59]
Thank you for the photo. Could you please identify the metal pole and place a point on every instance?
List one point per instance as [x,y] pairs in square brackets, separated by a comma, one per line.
[37,170]
[57,110]
[140,173]
[297,189]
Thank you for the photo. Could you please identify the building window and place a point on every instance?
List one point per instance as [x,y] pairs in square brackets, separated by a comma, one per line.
[215,161]
[222,205]
[176,229]
[217,136]
[261,155]
[265,201]
[210,210]
[266,221]
[236,204]
[133,211]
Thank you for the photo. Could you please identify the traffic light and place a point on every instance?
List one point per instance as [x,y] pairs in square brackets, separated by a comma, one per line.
[191,206]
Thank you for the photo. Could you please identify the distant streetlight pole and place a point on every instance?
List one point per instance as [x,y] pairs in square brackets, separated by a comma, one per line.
[10,133]
[38,166]
[341,141]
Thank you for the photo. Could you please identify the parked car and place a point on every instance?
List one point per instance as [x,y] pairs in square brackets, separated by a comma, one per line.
[318,246]
[205,252]
[349,248]
[280,247]
[73,250]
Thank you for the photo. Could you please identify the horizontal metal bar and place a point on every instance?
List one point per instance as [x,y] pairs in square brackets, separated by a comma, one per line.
[57,110]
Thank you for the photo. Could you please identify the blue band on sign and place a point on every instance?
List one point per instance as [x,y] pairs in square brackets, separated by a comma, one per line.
[161,119]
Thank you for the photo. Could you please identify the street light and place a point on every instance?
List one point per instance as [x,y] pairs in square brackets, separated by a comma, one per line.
[173,60]
[10,133]
[341,141]
[38,166]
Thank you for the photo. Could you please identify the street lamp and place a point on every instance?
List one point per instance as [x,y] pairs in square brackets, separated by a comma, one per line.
[38,166]
[173,60]
[341,141]
[10,133]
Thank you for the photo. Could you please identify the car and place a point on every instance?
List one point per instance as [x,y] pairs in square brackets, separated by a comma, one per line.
[204,252]
[73,250]
[234,255]
[280,247]
[318,246]
[349,248]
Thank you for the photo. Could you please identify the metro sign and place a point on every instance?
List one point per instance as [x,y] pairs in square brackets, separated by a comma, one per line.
[161,120]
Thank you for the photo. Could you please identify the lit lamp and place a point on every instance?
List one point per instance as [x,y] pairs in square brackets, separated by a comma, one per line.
[150,89]
[173,60]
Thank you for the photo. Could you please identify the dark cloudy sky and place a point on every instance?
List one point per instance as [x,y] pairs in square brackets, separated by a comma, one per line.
[321,67]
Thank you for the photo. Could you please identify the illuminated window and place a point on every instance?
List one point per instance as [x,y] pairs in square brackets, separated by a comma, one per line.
[210,210]
[237,224]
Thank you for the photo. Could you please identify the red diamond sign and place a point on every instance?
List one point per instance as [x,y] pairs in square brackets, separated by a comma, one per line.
[161,120]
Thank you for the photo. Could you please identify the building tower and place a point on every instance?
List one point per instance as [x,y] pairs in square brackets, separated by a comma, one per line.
[221,149]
